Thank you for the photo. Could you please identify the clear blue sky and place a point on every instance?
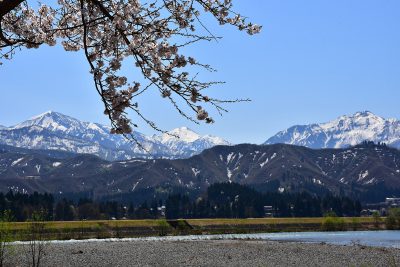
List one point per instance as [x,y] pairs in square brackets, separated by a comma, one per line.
[315,60]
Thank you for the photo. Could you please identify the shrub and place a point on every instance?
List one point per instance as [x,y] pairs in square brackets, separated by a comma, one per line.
[355,224]
[163,227]
[377,219]
[393,219]
[332,222]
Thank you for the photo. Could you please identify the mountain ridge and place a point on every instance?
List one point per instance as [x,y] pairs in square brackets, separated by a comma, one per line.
[344,131]
[368,172]
[55,131]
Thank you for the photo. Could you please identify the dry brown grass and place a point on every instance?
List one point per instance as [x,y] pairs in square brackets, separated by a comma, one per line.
[252,221]
[71,225]
[89,224]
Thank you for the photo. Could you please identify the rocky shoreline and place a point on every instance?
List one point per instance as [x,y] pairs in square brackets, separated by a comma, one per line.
[209,253]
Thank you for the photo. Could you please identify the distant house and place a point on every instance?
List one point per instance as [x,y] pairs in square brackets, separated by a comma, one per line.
[161,211]
[381,207]
[369,212]
[268,211]
[393,202]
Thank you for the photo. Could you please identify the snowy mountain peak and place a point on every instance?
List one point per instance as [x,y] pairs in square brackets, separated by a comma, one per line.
[52,116]
[47,113]
[367,115]
[364,113]
[53,121]
[183,134]
[365,120]
[344,131]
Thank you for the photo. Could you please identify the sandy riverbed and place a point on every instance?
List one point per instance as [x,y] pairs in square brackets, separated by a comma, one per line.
[210,253]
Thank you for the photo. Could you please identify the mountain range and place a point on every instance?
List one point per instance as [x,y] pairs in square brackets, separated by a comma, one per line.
[56,153]
[342,132]
[55,131]
[368,172]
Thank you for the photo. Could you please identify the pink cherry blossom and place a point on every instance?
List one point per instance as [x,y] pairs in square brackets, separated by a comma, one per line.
[108,31]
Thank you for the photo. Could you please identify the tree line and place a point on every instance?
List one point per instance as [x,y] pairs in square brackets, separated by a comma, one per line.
[231,200]
[222,200]
[22,207]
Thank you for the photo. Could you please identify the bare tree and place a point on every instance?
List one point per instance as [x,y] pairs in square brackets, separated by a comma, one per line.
[37,244]
[151,33]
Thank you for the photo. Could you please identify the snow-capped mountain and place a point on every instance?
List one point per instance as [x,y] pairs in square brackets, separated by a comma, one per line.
[187,141]
[55,131]
[342,132]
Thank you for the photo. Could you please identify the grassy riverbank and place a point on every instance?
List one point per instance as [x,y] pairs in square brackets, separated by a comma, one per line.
[139,228]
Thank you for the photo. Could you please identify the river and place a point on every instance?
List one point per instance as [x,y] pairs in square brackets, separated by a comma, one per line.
[389,239]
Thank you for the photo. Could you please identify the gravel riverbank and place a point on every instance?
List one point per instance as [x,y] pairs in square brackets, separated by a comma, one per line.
[210,253]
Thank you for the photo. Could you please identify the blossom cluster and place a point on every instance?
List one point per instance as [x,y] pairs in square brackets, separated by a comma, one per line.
[109,31]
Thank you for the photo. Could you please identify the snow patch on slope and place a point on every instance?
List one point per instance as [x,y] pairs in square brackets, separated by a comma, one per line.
[15,162]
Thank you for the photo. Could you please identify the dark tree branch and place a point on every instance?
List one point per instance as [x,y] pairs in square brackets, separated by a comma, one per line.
[7,5]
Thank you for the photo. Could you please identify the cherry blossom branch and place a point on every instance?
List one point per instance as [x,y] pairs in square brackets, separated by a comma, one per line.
[151,33]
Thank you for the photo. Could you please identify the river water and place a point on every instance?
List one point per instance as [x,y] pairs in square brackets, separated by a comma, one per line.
[389,239]
[368,238]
